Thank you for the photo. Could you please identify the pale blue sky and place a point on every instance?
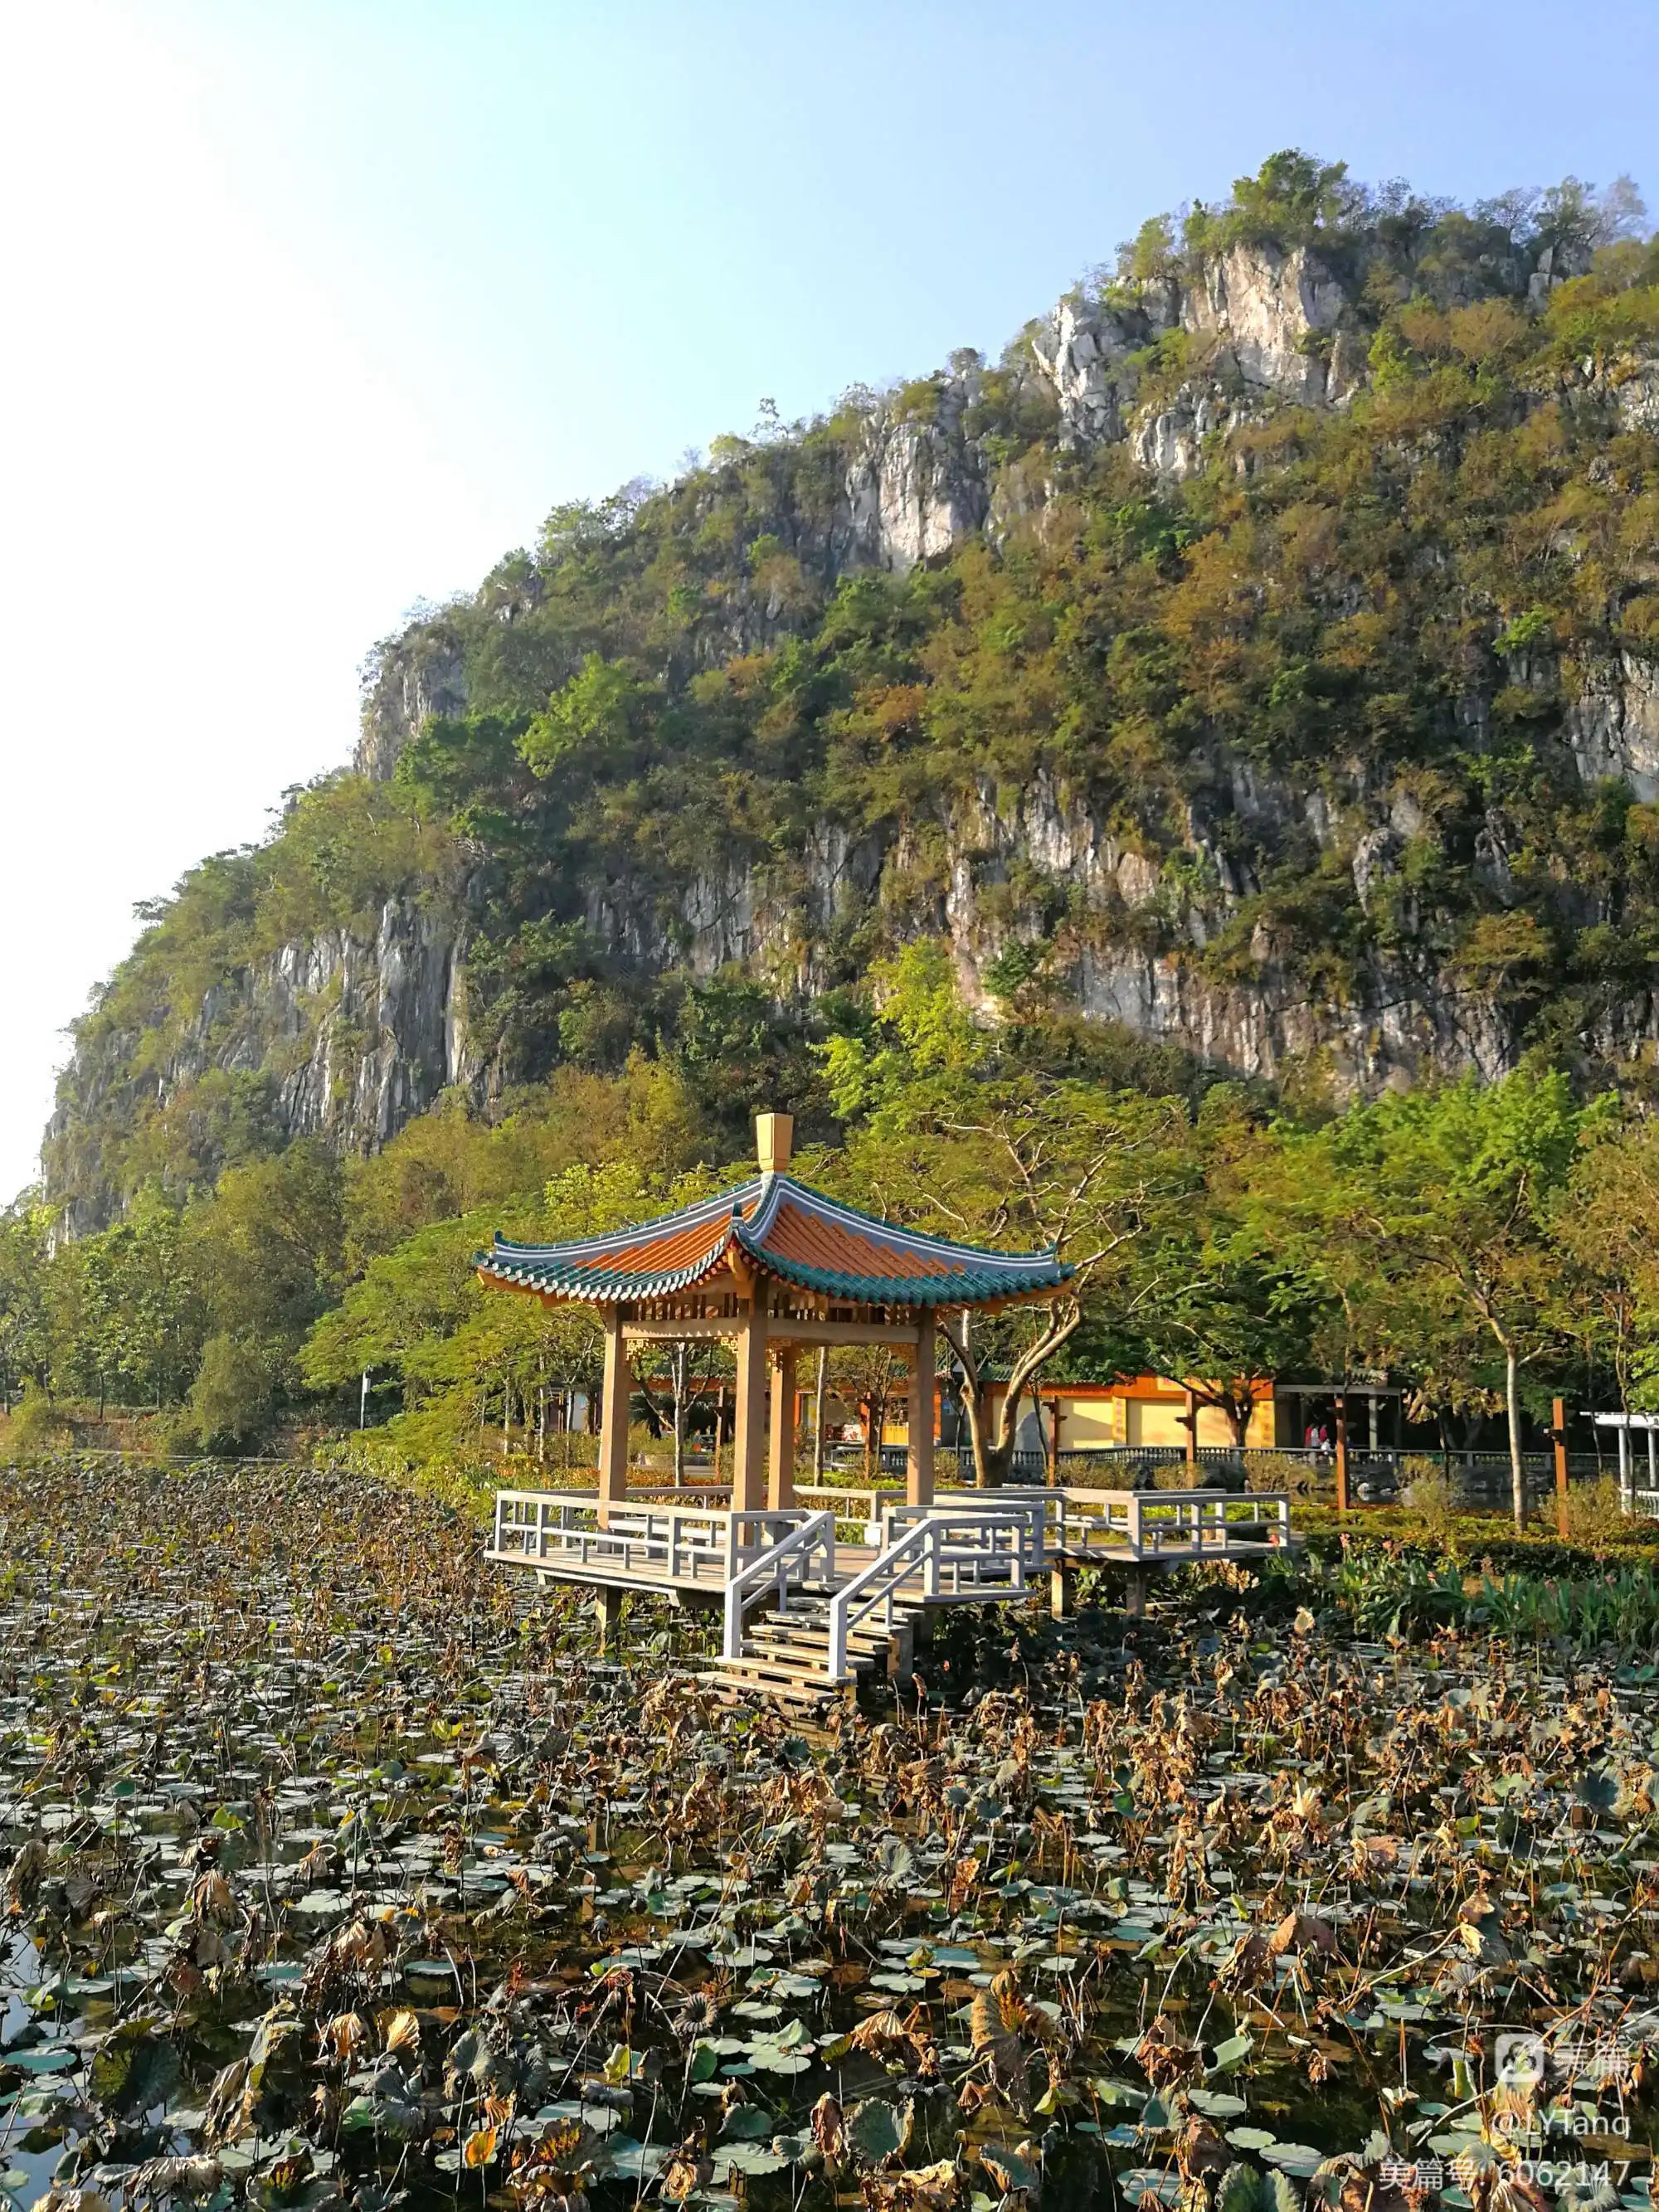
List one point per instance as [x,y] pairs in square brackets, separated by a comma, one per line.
[315,309]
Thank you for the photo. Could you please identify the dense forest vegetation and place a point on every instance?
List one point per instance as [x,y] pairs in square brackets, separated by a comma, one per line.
[1355,701]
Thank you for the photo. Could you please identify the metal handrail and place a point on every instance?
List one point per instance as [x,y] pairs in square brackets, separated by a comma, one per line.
[862,1504]
[792,1551]
[535,1525]
[1033,1509]
[925,1549]
[1163,1523]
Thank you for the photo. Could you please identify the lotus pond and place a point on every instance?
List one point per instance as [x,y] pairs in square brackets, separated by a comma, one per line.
[341,1873]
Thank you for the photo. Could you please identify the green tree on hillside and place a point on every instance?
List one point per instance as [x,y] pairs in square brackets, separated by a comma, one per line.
[1439,1208]
[128,1316]
[25,1300]
[952,1134]
[267,1252]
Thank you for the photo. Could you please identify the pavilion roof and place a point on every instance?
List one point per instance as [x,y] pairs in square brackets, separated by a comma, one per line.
[783,1229]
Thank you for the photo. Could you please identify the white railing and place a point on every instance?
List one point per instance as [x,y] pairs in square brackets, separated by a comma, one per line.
[944,1553]
[857,1507]
[787,1561]
[673,1543]
[1156,1524]
[1032,1508]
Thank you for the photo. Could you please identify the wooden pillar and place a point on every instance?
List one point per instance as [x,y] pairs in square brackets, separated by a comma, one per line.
[1190,1422]
[919,1459]
[607,1612]
[613,1416]
[817,1413]
[1559,1437]
[749,1439]
[780,1455]
[1341,1453]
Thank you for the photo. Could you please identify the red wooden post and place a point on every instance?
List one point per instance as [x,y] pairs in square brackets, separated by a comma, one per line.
[1558,1436]
[1341,1453]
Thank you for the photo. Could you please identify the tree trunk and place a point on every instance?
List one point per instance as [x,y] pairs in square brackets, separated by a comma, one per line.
[987,1472]
[1517,1471]
[991,1455]
[681,1360]
[1043,1453]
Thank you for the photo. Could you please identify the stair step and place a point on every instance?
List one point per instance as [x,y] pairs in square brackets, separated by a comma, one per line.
[810,1696]
[792,1631]
[766,1668]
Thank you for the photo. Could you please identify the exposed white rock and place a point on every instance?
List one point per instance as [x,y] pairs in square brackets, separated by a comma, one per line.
[378,1022]
[1083,349]
[1263,305]
[1170,444]
[916,491]
[422,675]
[1613,724]
[1636,395]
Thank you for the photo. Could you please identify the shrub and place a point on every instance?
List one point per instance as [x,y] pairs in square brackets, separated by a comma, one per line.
[1429,1493]
[36,1426]
[1595,1514]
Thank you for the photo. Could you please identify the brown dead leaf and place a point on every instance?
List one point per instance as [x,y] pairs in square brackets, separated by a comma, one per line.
[829,2127]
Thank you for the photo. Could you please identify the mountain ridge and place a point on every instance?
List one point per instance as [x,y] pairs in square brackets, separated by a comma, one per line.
[1220,663]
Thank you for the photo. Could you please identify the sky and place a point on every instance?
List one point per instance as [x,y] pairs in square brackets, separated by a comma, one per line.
[313,308]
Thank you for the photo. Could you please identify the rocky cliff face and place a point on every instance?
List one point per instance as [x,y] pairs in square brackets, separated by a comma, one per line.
[342,1038]
[1405,1023]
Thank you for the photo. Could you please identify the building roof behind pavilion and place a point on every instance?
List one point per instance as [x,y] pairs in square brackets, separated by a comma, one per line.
[780,1228]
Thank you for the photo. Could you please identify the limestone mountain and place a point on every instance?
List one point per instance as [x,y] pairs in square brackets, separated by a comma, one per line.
[1262,656]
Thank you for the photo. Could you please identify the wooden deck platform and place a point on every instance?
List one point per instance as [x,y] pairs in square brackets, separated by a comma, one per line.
[833,1602]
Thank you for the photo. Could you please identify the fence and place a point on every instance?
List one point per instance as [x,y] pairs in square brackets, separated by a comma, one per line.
[1116,1466]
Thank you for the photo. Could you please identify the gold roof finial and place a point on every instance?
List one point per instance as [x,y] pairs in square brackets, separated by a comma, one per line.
[774,1135]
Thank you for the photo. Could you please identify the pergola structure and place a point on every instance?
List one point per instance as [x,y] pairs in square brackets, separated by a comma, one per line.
[773,1266]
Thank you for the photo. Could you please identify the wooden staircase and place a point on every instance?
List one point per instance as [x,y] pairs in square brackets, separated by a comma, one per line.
[787,1655]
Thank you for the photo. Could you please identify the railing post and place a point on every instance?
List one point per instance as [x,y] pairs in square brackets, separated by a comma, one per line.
[731,1644]
[919,1454]
[1341,1453]
[1558,1436]
[617,1392]
[1136,1532]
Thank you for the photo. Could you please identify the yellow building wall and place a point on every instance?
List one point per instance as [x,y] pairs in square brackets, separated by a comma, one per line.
[1155,1421]
[1086,1424]
[1091,1423]
[1151,1421]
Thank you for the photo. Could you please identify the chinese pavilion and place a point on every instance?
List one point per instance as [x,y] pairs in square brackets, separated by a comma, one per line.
[774,1265]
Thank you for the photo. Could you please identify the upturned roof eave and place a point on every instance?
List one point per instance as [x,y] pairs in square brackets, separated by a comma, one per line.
[597,1288]
[743,1218]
